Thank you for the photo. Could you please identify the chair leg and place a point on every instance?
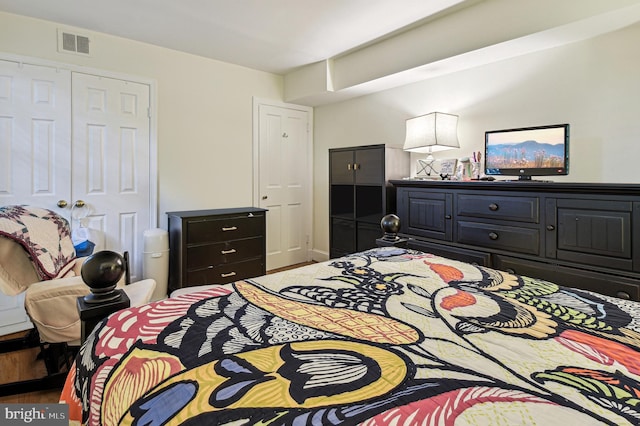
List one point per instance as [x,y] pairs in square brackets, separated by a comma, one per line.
[56,356]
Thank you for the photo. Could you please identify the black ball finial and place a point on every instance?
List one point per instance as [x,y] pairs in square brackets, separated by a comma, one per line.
[390,225]
[101,272]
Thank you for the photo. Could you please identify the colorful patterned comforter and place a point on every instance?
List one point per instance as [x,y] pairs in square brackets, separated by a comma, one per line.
[383,337]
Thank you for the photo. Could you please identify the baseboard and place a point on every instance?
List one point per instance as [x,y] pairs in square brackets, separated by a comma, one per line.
[319,255]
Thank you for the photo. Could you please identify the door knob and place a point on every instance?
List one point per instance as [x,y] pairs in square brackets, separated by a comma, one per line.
[80,203]
[62,203]
[264,197]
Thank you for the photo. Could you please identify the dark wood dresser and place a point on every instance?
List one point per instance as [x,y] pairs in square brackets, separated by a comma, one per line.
[216,246]
[575,234]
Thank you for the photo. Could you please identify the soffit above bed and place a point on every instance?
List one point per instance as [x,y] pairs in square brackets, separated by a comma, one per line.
[332,50]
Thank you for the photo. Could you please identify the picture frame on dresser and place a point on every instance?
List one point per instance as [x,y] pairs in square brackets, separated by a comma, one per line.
[448,167]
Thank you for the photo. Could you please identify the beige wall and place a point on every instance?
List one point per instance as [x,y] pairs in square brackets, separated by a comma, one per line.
[594,85]
[204,111]
[204,114]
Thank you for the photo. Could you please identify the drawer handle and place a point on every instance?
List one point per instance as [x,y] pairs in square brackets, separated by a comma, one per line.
[493,236]
[230,274]
[228,251]
[511,271]
[447,216]
[550,228]
[493,207]
[623,295]
[231,228]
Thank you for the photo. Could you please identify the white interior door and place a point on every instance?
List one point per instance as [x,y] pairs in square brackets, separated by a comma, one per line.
[35,140]
[111,151]
[284,188]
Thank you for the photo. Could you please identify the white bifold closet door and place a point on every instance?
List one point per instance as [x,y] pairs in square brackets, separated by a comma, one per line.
[77,138]
[111,161]
[35,135]
[35,146]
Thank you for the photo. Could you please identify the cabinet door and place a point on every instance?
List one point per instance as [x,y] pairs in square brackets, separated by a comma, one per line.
[369,165]
[341,167]
[426,214]
[593,232]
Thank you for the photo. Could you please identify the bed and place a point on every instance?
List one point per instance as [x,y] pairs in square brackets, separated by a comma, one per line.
[388,336]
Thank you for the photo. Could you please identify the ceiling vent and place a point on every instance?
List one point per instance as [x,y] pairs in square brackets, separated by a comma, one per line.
[68,42]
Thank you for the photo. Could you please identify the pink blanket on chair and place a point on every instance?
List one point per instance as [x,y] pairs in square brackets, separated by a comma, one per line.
[44,234]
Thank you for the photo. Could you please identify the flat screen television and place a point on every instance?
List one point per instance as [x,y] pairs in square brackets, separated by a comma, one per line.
[527,152]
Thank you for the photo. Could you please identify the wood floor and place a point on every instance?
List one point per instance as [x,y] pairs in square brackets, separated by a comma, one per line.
[23,365]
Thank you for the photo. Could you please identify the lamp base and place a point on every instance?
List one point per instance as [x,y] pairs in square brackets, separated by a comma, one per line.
[425,167]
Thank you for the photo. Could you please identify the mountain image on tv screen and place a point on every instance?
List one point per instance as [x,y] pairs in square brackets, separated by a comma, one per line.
[526,154]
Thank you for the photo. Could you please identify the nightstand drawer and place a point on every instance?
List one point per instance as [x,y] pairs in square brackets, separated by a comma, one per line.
[226,273]
[517,239]
[520,209]
[224,229]
[202,256]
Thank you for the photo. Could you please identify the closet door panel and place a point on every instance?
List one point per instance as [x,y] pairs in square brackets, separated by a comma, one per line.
[111,149]
[35,147]
[35,135]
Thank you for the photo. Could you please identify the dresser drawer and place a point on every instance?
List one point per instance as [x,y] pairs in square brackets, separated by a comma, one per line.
[224,229]
[517,239]
[621,287]
[225,273]
[202,256]
[520,209]
[474,257]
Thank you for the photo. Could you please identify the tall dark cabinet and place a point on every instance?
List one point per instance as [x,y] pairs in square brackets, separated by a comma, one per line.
[359,194]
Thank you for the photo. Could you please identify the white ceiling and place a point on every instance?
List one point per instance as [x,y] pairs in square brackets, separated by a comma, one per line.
[269,35]
[330,50]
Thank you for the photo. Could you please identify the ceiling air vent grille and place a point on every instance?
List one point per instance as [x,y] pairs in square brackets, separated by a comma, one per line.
[69,42]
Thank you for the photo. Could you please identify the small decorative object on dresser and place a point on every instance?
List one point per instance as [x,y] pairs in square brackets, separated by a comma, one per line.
[216,246]
[448,168]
